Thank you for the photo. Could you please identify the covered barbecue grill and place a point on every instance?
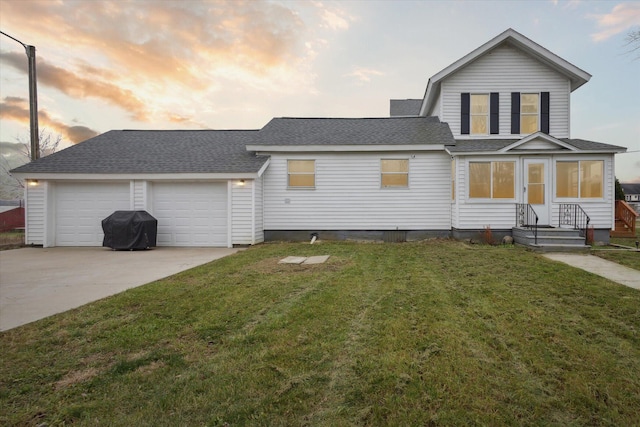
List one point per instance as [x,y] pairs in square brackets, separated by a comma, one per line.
[127,230]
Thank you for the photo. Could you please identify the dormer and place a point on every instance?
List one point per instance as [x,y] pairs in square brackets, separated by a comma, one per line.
[510,87]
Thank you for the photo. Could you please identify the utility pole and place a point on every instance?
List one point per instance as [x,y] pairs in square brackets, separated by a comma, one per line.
[33,98]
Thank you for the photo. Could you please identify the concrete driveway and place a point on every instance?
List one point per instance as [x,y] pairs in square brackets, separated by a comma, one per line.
[36,282]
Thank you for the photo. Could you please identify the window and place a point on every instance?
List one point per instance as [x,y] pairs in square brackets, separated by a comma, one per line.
[301,173]
[394,173]
[479,114]
[492,180]
[529,110]
[583,178]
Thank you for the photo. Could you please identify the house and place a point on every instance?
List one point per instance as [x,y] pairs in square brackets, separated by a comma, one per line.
[488,145]
[632,194]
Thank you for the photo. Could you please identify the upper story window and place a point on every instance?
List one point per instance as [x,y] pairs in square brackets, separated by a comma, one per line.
[583,179]
[492,180]
[301,173]
[529,112]
[394,172]
[479,113]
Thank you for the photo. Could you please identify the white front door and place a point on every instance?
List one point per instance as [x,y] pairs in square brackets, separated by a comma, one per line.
[537,189]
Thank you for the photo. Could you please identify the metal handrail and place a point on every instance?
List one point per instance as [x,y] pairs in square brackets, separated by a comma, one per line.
[573,215]
[527,217]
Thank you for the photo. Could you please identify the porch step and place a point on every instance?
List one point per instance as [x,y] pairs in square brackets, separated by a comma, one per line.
[551,239]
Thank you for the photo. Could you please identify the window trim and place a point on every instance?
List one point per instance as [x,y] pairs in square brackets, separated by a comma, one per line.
[486,115]
[301,187]
[580,199]
[491,199]
[536,114]
[395,187]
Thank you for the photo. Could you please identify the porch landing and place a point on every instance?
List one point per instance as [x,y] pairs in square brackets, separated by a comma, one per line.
[551,239]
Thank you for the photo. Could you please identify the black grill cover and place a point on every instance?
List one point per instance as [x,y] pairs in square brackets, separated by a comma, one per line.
[129,230]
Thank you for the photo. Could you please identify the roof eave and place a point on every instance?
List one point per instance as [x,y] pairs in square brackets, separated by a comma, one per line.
[268,149]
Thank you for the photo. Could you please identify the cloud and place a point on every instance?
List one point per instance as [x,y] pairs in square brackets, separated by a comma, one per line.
[146,57]
[77,86]
[621,18]
[17,109]
[364,74]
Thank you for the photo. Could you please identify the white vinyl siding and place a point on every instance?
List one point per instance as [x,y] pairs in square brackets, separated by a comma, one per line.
[348,195]
[80,208]
[242,208]
[258,196]
[139,195]
[474,214]
[507,70]
[35,213]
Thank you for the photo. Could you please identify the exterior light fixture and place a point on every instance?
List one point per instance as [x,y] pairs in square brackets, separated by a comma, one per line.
[241,183]
[33,182]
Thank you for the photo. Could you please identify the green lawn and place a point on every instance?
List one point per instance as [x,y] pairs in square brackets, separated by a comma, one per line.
[621,256]
[435,333]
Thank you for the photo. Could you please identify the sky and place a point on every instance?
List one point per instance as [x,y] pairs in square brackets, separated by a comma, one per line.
[198,64]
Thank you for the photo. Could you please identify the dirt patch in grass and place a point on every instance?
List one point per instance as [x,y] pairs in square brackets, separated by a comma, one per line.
[76,377]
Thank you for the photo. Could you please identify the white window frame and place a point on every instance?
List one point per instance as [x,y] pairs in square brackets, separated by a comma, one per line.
[301,187]
[395,187]
[537,113]
[491,199]
[558,199]
[486,115]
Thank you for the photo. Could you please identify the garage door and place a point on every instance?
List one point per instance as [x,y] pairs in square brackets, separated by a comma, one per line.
[191,214]
[81,207]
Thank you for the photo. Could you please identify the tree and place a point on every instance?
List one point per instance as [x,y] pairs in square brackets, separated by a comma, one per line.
[619,191]
[17,154]
[633,42]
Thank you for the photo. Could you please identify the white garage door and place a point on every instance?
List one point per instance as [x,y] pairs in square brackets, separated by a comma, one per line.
[81,207]
[191,214]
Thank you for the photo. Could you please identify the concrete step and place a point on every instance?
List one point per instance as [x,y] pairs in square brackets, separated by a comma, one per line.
[551,239]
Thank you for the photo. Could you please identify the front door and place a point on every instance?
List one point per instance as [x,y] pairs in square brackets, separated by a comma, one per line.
[536,188]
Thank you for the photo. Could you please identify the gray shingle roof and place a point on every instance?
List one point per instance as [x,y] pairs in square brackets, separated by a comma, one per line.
[630,188]
[352,131]
[155,151]
[404,107]
[489,145]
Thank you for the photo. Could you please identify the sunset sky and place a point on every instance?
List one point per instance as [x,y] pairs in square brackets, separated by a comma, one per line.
[195,64]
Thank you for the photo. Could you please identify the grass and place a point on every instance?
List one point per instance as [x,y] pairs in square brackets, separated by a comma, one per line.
[435,333]
[11,239]
[621,256]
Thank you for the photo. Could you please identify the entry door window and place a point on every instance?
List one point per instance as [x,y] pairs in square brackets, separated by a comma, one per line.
[536,184]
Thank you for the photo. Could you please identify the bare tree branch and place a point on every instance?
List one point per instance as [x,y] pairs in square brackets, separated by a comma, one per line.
[633,43]
[12,188]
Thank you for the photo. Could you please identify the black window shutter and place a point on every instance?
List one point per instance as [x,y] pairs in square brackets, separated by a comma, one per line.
[465,102]
[515,112]
[544,112]
[494,111]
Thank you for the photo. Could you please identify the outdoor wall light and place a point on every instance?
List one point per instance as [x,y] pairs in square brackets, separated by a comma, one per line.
[33,182]
[241,183]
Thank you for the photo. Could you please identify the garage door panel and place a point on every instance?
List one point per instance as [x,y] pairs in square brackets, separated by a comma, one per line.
[81,207]
[191,214]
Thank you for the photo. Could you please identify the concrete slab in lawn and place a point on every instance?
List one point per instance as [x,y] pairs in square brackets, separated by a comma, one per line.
[39,282]
[292,260]
[601,267]
[320,259]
